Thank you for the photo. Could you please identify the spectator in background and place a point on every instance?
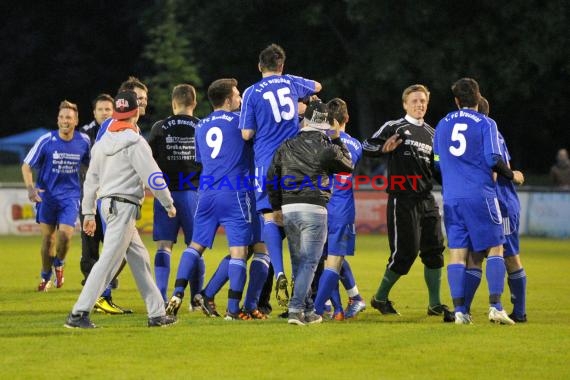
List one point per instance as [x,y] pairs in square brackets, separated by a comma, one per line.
[560,171]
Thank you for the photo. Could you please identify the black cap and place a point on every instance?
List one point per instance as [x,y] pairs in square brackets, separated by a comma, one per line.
[125,105]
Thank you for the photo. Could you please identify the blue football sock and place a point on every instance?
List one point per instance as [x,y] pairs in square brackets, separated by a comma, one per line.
[348,281]
[273,240]
[517,286]
[472,281]
[57,262]
[335,299]
[237,274]
[188,262]
[197,278]
[107,292]
[328,281]
[258,270]
[219,278]
[162,271]
[46,275]
[495,273]
[456,280]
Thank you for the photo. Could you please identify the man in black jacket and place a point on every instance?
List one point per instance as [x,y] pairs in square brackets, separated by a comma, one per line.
[299,189]
[414,223]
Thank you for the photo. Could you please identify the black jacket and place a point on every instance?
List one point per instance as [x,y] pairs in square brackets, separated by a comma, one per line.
[301,169]
[412,159]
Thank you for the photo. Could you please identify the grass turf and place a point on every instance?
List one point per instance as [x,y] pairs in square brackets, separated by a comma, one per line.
[413,346]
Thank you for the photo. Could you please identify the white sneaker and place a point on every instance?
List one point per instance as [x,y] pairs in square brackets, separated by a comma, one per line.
[501,317]
[173,305]
[462,319]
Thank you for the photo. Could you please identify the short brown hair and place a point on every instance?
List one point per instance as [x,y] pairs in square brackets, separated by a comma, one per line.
[131,83]
[483,106]
[184,95]
[272,58]
[414,88]
[102,98]
[337,108]
[466,90]
[72,106]
[220,90]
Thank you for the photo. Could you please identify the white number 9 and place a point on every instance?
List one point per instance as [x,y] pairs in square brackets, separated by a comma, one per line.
[214,139]
[456,135]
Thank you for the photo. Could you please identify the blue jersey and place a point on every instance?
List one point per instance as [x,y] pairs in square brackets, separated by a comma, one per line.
[103,128]
[341,205]
[506,193]
[464,145]
[269,107]
[58,163]
[222,152]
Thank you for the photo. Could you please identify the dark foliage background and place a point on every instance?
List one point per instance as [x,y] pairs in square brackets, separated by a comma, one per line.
[365,51]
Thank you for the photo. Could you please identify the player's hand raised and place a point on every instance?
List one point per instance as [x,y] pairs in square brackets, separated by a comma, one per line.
[391,143]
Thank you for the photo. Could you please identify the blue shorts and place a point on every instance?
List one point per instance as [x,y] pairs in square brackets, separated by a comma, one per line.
[257,226]
[165,228]
[341,239]
[511,231]
[474,223]
[261,197]
[231,209]
[55,212]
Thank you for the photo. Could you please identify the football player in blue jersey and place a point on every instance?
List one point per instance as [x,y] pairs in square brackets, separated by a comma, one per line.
[510,211]
[57,157]
[341,228]
[467,151]
[172,141]
[269,116]
[224,196]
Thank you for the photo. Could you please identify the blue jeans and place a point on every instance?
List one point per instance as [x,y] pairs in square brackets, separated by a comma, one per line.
[306,233]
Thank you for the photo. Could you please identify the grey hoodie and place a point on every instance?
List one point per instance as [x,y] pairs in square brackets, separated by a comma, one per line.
[121,164]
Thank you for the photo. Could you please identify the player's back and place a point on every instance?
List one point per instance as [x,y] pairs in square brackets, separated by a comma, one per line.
[462,141]
[222,151]
[270,108]
[341,204]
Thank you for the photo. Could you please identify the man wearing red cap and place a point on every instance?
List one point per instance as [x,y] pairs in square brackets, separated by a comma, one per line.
[122,163]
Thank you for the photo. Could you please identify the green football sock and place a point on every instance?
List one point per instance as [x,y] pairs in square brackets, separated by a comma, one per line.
[433,282]
[389,279]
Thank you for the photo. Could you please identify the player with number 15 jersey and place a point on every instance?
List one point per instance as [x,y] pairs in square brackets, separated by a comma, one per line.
[270,110]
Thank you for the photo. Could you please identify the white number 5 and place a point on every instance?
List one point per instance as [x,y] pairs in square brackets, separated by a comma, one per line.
[456,135]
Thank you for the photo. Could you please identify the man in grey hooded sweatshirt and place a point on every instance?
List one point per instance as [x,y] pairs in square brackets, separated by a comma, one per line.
[121,164]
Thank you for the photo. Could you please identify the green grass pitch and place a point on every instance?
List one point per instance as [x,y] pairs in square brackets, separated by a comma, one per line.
[413,346]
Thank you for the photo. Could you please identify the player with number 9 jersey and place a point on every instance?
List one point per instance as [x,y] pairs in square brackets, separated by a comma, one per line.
[224,191]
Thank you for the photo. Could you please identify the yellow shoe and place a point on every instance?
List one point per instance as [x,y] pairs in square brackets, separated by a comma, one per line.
[103,306]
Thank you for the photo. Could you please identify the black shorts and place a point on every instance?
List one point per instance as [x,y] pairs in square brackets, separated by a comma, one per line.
[414,226]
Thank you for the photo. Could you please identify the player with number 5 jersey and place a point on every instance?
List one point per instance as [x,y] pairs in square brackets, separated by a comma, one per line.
[467,151]
[269,116]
